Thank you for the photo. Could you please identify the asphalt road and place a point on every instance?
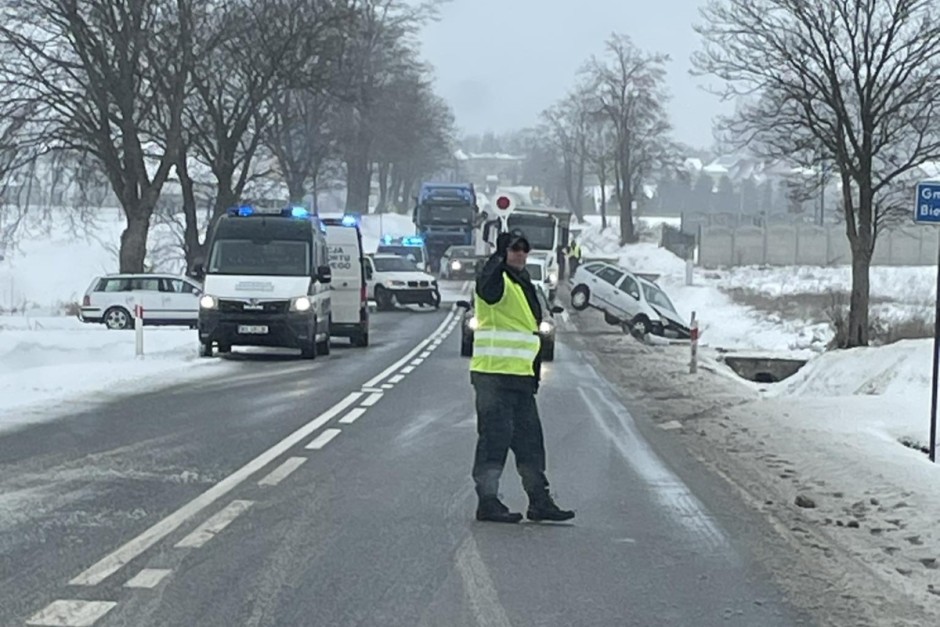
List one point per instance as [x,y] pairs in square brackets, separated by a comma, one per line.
[337,492]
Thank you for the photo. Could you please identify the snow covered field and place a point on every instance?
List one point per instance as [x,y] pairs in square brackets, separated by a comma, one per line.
[50,362]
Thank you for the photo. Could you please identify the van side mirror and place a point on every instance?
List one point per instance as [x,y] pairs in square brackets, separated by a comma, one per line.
[557,309]
[368,270]
[464,304]
[324,274]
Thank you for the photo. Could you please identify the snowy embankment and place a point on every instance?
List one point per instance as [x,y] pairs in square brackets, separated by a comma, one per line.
[50,362]
[840,444]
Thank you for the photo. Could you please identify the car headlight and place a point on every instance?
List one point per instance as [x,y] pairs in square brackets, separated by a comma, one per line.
[208,302]
[545,328]
[301,304]
[396,283]
[455,265]
[473,323]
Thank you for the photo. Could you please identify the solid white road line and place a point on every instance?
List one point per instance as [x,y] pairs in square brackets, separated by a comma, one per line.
[396,379]
[323,439]
[114,561]
[148,578]
[479,587]
[372,399]
[214,525]
[280,473]
[71,613]
[353,415]
[417,349]
[407,370]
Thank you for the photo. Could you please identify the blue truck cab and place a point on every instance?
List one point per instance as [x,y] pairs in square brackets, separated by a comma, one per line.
[445,215]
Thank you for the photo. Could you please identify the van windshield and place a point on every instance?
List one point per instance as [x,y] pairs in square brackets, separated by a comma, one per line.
[269,258]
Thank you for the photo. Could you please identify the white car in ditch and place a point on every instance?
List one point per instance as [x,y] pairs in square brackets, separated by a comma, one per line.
[636,303]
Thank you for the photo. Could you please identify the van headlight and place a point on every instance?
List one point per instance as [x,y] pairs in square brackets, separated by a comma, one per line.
[473,323]
[552,277]
[455,265]
[301,304]
[545,328]
[208,302]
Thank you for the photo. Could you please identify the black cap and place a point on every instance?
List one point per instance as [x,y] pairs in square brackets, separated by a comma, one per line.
[516,236]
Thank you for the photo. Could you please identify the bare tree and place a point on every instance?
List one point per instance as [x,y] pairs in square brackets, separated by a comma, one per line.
[382,47]
[629,89]
[90,74]
[252,53]
[302,137]
[568,124]
[854,80]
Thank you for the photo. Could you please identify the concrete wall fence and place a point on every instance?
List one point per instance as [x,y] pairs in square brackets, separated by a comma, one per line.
[809,245]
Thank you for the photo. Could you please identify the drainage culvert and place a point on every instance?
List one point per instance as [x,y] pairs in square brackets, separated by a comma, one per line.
[764,369]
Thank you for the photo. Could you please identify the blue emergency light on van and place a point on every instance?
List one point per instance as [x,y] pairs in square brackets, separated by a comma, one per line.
[244,210]
[412,241]
[350,220]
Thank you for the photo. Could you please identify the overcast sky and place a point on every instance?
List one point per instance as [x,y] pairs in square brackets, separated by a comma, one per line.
[537,47]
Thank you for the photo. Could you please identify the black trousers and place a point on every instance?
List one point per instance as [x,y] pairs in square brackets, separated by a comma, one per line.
[508,418]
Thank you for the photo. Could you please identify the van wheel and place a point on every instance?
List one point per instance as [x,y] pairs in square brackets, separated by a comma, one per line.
[548,351]
[323,348]
[361,339]
[466,348]
[205,349]
[383,299]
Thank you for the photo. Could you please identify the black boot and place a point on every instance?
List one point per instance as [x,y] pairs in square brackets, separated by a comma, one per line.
[491,509]
[543,507]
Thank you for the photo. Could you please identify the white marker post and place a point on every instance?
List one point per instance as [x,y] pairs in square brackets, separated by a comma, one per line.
[689,267]
[927,211]
[139,331]
[693,335]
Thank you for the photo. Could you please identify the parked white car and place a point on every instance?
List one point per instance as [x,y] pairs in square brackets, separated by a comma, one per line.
[392,279]
[166,299]
[639,305]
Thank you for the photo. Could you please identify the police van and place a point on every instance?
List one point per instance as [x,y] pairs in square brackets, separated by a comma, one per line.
[350,304]
[267,282]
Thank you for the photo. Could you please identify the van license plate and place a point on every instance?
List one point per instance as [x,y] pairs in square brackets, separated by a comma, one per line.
[252,330]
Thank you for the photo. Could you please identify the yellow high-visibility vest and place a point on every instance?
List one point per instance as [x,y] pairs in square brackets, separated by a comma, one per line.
[506,339]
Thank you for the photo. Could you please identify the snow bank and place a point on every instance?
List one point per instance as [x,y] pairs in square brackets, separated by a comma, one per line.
[47,364]
[888,388]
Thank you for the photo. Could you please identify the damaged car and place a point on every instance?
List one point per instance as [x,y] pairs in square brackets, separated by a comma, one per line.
[634,302]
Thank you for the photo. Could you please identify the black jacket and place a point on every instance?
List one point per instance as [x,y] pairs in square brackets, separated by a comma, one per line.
[489,287]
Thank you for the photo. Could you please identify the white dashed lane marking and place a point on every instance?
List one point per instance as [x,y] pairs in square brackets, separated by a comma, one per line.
[281,472]
[71,613]
[407,369]
[372,399]
[396,379]
[323,439]
[148,578]
[353,415]
[214,525]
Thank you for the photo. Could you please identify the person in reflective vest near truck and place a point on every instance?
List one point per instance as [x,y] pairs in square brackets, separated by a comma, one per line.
[505,372]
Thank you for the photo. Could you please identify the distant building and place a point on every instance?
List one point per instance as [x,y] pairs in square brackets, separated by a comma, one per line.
[476,167]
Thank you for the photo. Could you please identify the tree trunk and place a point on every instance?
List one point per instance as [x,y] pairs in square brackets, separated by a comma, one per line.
[134,239]
[192,247]
[296,188]
[358,178]
[384,168]
[602,179]
[858,325]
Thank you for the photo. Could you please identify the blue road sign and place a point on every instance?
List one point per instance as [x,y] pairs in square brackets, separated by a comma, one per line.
[927,203]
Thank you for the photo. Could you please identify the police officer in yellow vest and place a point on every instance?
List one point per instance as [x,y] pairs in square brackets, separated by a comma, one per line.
[504,371]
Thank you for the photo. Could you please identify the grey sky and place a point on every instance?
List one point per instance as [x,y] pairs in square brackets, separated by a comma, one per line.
[538,47]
